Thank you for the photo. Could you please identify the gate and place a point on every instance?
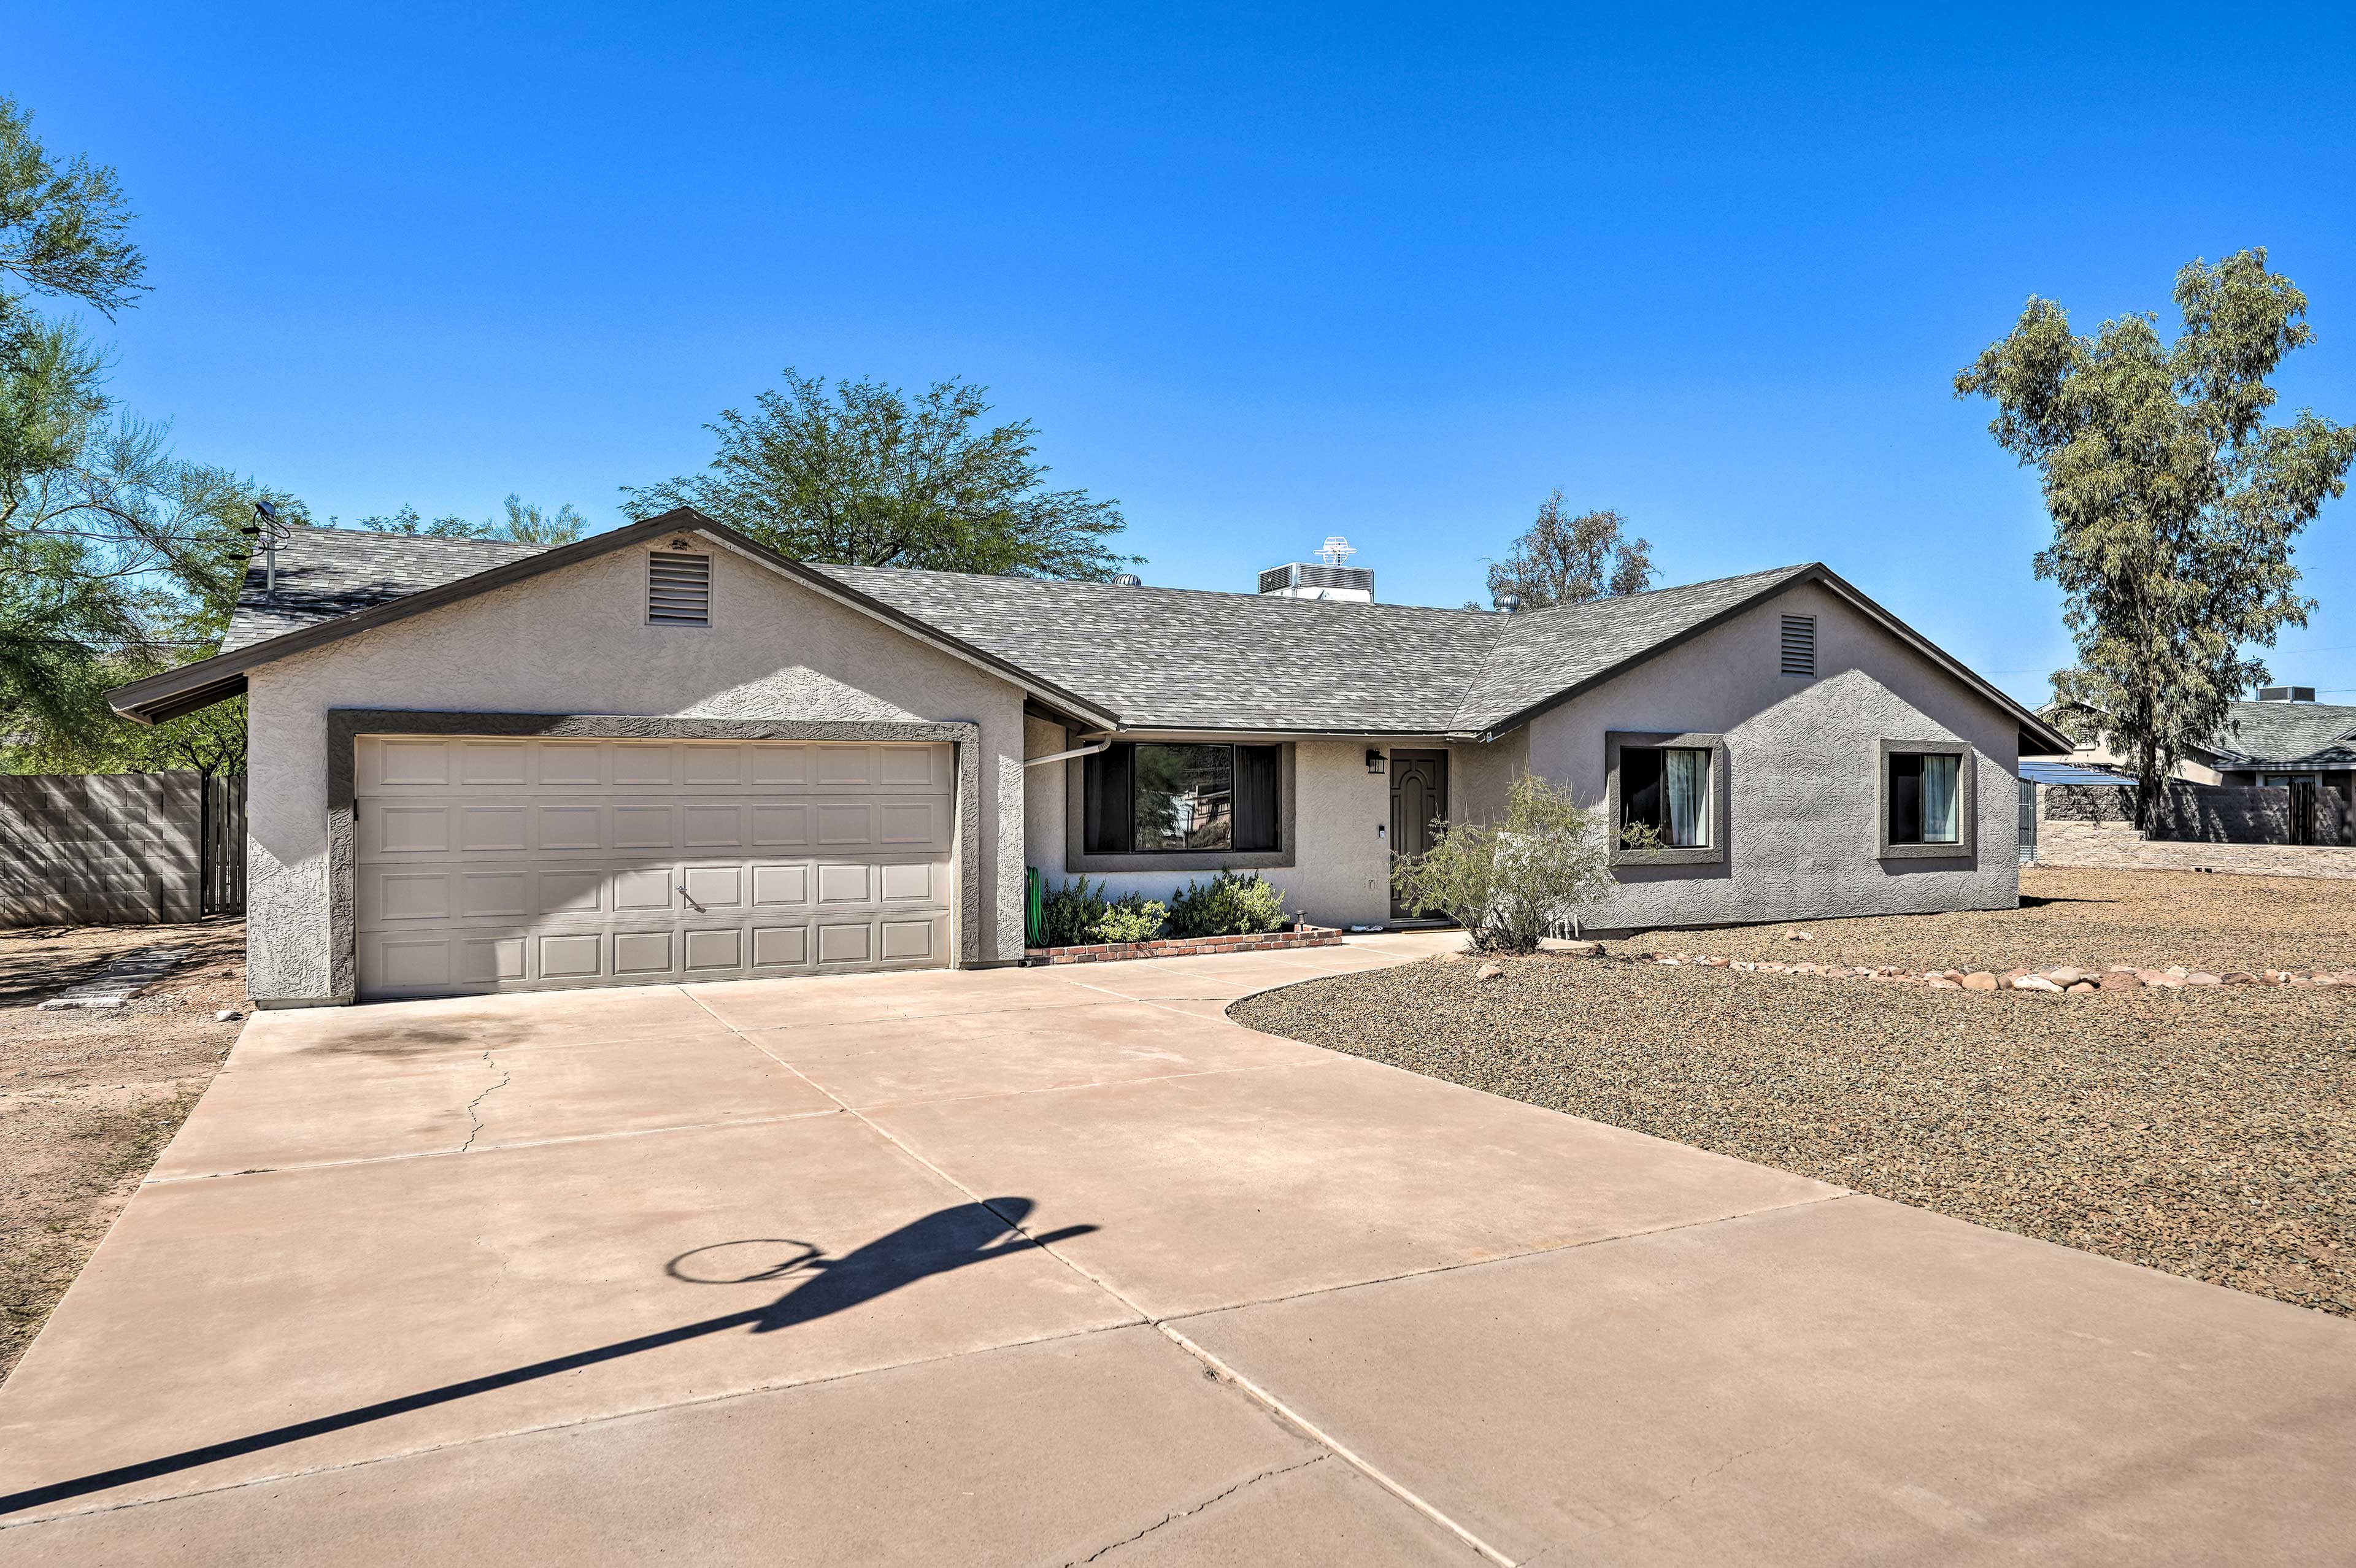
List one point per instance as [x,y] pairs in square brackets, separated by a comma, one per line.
[2028,821]
[222,844]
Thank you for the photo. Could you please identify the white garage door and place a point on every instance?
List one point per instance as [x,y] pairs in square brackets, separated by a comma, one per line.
[495,865]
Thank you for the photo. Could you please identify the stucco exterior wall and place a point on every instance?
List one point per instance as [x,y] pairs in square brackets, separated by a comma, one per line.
[1801,771]
[1341,869]
[577,642]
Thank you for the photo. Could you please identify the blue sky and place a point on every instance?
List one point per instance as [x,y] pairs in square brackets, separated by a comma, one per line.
[1262,275]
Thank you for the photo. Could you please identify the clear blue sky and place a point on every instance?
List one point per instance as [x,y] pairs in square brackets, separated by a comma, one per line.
[1262,277]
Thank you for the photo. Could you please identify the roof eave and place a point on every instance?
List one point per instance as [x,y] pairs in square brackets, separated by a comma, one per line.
[167,696]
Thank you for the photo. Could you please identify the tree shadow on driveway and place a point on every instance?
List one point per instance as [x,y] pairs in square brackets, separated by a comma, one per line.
[945,1240]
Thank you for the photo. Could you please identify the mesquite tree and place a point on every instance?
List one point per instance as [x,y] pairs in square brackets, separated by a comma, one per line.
[2174,502]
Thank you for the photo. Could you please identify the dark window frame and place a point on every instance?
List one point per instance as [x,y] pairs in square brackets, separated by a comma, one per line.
[1618,741]
[1886,798]
[1088,780]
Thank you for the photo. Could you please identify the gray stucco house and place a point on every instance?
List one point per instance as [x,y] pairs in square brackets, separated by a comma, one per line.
[666,752]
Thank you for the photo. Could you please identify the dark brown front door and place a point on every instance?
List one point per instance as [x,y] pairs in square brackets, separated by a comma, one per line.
[1418,795]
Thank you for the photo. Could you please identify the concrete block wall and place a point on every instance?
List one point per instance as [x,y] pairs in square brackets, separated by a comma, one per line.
[101,849]
[2119,845]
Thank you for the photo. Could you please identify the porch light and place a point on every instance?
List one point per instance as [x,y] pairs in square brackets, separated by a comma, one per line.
[1374,760]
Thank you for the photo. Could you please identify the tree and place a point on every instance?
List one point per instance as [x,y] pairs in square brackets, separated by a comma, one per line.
[1570,560]
[117,559]
[2174,503]
[524,522]
[1510,882]
[527,522]
[871,477]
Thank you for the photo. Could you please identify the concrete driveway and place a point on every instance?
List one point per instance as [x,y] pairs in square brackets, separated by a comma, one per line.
[1060,1267]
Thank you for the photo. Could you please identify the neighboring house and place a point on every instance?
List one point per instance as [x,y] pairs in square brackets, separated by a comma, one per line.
[2283,738]
[666,752]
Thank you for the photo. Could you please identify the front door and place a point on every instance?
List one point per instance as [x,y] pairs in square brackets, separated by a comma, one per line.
[1418,796]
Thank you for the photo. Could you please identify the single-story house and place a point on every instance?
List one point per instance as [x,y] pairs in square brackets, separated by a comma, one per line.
[2285,737]
[666,752]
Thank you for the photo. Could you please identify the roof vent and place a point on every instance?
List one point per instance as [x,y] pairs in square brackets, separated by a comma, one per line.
[1128,580]
[1800,644]
[2286,694]
[1505,601]
[679,589]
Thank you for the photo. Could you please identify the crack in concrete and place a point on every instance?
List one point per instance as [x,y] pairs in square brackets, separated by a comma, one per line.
[1198,1507]
[474,1106]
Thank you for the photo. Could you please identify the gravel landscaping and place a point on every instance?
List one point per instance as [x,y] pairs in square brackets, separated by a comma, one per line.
[2210,1132]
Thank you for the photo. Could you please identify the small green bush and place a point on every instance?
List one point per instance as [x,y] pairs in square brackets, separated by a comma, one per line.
[1079,916]
[1131,922]
[1233,903]
[1510,883]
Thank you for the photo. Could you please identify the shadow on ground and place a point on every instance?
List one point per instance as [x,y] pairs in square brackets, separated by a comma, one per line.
[946,1239]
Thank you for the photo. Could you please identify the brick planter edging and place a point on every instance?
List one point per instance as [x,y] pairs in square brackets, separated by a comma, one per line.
[1187,947]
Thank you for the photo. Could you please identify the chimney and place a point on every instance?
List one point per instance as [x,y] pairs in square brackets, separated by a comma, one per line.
[1326,578]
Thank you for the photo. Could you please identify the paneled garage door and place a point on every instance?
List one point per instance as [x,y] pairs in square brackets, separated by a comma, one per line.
[497,865]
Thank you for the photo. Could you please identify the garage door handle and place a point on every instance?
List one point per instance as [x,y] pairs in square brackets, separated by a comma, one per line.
[691,901]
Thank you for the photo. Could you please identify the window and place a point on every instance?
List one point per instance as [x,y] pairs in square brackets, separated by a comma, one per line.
[1159,799]
[1800,644]
[1924,806]
[1664,790]
[1925,799]
[1667,796]
[679,589]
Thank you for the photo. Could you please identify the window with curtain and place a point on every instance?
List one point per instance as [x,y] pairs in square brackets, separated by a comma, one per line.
[1925,797]
[1151,798]
[1667,789]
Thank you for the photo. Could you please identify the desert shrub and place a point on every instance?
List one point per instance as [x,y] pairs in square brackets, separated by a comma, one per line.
[1233,903]
[1512,881]
[1131,919]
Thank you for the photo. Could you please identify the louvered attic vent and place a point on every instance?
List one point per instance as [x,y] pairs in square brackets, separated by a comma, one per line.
[678,589]
[1800,644]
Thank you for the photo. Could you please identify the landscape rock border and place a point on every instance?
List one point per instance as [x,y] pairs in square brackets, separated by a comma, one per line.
[2064,979]
[1187,947]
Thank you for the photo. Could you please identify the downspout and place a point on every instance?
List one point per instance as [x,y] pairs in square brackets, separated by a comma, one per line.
[1089,750]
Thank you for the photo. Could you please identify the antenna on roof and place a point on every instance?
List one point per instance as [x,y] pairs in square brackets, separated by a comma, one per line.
[1335,550]
[272,533]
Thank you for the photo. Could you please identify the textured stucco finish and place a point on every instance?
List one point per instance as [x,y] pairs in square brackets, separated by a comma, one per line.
[1802,826]
[577,642]
[1340,815]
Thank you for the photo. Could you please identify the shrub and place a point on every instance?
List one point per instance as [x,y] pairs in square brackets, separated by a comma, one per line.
[1080,916]
[1233,903]
[1073,912]
[1132,920]
[1511,882]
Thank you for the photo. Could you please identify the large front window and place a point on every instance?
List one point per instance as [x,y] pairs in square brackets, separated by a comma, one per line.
[1664,796]
[1152,798]
[1925,801]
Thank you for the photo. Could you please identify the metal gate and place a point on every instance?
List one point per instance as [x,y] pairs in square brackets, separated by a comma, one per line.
[221,844]
[2028,821]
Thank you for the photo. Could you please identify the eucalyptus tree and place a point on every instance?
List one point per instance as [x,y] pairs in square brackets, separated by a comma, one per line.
[2175,502]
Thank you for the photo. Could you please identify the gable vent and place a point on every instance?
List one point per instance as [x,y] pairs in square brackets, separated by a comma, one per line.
[678,589]
[1800,644]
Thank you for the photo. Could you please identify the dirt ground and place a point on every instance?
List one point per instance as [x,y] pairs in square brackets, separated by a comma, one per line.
[2089,918]
[89,1096]
[2209,1133]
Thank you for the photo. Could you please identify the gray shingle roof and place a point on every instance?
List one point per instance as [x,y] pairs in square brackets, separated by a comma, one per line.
[1156,658]
[326,572]
[2286,732]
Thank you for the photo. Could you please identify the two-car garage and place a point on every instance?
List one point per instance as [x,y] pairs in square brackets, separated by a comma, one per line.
[485,863]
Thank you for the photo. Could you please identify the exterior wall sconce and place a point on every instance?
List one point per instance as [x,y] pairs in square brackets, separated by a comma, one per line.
[1374,760]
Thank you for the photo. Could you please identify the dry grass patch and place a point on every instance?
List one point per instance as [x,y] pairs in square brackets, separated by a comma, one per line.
[88,1098]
